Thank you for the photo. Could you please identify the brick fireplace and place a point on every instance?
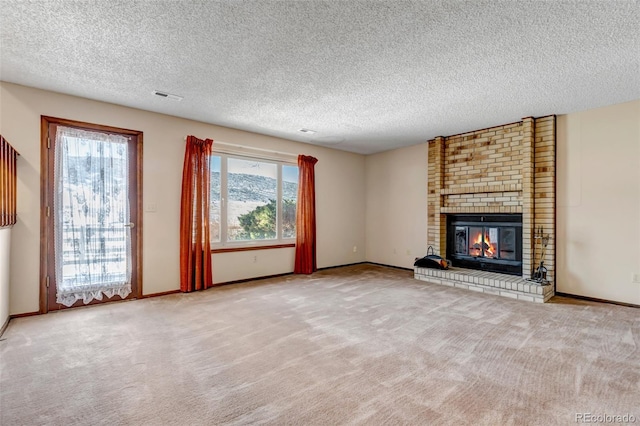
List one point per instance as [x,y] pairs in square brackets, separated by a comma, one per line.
[499,171]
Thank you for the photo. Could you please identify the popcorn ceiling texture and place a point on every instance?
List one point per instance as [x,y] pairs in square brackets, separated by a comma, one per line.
[367,76]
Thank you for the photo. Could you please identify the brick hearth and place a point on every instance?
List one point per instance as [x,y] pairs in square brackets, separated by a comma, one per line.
[487,282]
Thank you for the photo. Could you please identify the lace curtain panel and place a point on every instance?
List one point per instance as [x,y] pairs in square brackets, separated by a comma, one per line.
[91,205]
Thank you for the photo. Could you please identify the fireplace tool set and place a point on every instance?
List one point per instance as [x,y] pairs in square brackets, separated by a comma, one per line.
[539,275]
[432,260]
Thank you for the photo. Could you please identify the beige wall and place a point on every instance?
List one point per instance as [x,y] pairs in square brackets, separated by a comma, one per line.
[5,243]
[382,196]
[396,202]
[598,203]
[340,189]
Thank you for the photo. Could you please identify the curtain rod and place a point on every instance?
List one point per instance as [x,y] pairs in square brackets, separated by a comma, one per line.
[269,151]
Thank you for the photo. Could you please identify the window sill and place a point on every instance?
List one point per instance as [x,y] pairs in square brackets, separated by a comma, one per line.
[249,248]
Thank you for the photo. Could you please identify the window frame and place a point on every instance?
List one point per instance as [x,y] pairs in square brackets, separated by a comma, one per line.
[225,245]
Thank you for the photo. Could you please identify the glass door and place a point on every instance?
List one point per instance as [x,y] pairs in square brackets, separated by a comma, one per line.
[92,217]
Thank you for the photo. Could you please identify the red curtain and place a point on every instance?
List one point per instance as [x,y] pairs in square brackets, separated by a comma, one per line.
[306,217]
[195,250]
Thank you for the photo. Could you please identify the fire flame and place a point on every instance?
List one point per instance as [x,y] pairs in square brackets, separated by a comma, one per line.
[478,244]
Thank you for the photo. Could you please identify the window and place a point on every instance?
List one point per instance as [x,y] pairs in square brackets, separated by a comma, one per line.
[253,201]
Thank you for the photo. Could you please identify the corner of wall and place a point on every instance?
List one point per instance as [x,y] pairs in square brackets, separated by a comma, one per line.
[5,244]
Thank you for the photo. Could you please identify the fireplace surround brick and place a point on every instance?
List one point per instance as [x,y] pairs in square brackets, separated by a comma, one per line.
[503,169]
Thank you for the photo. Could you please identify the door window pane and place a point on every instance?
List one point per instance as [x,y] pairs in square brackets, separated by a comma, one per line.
[490,242]
[461,240]
[475,241]
[508,243]
[91,205]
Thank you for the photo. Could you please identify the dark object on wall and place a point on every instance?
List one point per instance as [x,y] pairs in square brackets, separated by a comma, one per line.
[432,261]
[8,183]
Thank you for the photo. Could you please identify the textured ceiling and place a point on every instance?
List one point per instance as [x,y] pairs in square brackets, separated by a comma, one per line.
[367,76]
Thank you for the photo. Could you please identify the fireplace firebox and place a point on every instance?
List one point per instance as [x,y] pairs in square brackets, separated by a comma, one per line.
[488,242]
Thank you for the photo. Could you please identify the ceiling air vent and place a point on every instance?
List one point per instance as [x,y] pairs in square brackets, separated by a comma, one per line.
[167,95]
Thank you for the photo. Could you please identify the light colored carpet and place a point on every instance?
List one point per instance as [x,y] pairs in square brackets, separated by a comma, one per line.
[354,345]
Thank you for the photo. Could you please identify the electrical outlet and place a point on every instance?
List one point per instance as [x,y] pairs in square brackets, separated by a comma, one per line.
[151,207]
[255,259]
[408,252]
[355,249]
[395,251]
[636,278]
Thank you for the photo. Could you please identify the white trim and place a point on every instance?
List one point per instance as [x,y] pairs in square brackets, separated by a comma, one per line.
[224,243]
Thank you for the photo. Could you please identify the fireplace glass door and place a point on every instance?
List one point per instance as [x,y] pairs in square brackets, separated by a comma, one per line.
[486,242]
[491,242]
